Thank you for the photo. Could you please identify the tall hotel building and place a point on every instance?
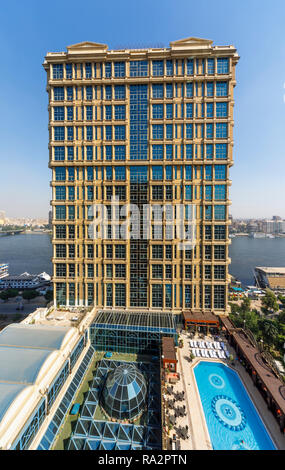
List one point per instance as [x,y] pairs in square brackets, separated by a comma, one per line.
[152,126]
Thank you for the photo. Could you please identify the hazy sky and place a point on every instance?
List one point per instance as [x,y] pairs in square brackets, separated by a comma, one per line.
[30,29]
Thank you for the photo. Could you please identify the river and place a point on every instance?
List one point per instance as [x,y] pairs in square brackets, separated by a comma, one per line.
[32,253]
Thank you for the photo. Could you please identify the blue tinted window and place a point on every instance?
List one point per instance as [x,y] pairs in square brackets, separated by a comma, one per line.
[59,153]
[57,71]
[188,172]
[220,212]
[108,152]
[189,151]
[120,112]
[68,71]
[210,88]
[108,132]
[69,91]
[58,133]
[108,69]
[189,131]
[189,90]
[157,152]
[60,174]
[169,111]
[157,68]
[58,113]
[119,69]
[69,113]
[157,111]
[221,151]
[208,172]
[220,192]
[108,112]
[70,153]
[120,173]
[189,110]
[208,193]
[221,109]
[169,68]
[157,173]
[58,93]
[222,88]
[89,152]
[120,132]
[89,93]
[89,132]
[209,131]
[210,110]
[220,172]
[138,68]
[190,67]
[138,173]
[188,192]
[169,152]
[157,91]
[169,131]
[209,151]
[169,90]
[120,92]
[221,130]
[108,92]
[211,66]
[120,152]
[223,65]
[60,212]
[157,131]
[60,193]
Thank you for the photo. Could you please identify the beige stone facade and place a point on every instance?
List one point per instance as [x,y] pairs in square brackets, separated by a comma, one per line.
[148,126]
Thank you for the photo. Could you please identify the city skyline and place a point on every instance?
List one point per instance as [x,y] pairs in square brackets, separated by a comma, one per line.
[258,113]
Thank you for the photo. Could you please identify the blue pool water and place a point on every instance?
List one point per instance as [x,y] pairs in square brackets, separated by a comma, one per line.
[232,420]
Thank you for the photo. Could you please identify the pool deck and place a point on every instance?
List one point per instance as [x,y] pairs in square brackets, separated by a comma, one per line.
[199,436]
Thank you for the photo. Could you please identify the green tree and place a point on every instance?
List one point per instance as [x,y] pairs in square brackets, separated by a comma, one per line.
[4,295]
[30,294]
[269,330]
[269,301]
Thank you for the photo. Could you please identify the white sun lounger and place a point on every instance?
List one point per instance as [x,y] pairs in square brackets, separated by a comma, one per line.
[221,354]
[192,343]
[213,354]
[204,353]
[217,345]
[209,345]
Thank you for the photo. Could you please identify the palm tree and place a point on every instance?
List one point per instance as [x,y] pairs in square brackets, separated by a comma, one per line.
[269,330]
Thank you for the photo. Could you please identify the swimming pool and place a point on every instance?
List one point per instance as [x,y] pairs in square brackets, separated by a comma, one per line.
[232,420]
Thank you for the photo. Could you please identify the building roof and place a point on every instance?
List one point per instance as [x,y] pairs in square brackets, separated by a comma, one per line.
[33,336]
[30,358]
[8,393]
[270,270]
[156,322]
[200,317]
[273,384]
[168,349]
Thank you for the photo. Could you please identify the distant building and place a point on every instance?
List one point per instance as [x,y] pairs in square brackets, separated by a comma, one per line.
[4,270]
[273,278]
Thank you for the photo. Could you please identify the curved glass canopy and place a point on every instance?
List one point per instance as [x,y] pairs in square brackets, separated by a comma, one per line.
[124,392]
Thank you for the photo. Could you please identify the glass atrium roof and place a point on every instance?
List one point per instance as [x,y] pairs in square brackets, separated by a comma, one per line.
[151,322]
[124,393]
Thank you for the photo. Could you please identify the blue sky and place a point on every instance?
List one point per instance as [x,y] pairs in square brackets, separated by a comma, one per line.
[32,28]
